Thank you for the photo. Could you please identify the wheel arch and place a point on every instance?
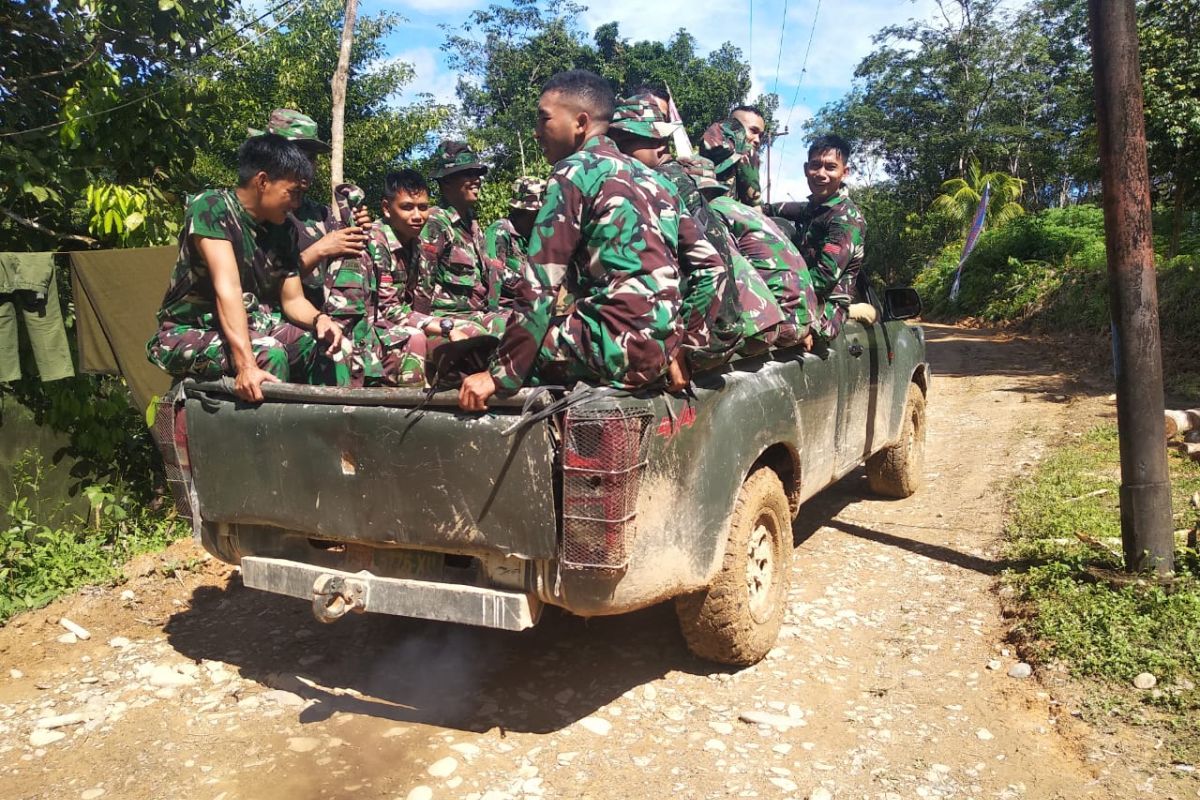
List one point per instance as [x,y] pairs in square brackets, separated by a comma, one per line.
[784,460]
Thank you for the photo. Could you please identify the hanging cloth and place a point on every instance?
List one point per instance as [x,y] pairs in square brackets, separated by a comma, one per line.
[29,292]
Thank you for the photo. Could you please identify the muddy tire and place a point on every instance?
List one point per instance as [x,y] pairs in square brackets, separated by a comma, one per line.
[896,471]
[737,619]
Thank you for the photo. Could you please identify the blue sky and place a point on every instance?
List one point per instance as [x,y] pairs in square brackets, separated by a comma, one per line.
[843,36]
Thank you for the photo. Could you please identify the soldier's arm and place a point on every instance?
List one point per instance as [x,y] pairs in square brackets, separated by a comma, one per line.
[749,189]
[842,241]
[556,235]
[791,211]
[705,274]
[231,316]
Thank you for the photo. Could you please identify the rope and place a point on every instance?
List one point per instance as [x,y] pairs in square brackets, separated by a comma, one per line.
[779,55]
[800,82]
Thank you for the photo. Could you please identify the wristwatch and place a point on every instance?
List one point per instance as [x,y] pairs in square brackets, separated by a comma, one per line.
[447,326]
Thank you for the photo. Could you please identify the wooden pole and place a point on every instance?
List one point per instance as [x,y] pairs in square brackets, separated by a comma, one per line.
[337,134]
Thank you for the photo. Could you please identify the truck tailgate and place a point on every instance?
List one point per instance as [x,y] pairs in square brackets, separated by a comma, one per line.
[431,478]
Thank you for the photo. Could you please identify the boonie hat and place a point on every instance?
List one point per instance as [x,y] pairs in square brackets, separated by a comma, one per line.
[451,157]
[639,115]
[528,193]
[295,127]
[703,173]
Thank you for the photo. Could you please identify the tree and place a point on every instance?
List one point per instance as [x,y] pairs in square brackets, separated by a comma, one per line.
[961,197]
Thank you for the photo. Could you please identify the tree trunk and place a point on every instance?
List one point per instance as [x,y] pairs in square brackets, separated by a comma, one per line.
[337,138]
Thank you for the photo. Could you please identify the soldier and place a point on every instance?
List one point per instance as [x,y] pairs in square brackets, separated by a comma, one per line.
[322,238]
[640,131]
[238,276]
[507,239]
[369,297]
[830,230]
[456,278]
[728,145]
[774,257]
[609,230]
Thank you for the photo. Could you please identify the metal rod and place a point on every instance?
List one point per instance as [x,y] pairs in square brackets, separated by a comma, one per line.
[1146,529]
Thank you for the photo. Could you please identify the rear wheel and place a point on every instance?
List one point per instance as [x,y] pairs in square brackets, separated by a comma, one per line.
[737,619]
[896,471]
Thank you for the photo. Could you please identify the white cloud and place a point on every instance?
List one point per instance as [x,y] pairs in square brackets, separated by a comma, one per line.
[431,76]
[429,7]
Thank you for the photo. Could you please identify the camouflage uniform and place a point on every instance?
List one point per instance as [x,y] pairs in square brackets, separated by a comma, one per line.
[831,237]
[778,262]
[505,245]
[609,230]
[189,340]
[312,220]
[705,282]
[761,317]
[456,278]
[736,160]
[370,297]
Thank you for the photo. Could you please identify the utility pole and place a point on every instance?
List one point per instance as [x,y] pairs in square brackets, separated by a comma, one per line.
[1146,529]
[341,75]
[771,137]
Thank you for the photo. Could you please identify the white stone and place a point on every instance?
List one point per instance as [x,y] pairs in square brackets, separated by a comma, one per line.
[1020,670]
[820,793]
[784,784]
[565,759]
[59,721]
[597,725]
[420,793]
[984,735]
[1145,681]
[67,638]
[16,674]
[443,768]
[777,721]
[714,744]
[723,728]
[127,595]
[283,697]
[995,664]
[166,676]
[76,629]
[41,738]
[465,749]
[92,794]
[303,744]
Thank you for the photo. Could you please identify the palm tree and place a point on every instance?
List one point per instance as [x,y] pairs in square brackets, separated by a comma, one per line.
[962,195]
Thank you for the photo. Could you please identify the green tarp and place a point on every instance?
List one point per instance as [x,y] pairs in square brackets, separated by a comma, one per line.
[117,294]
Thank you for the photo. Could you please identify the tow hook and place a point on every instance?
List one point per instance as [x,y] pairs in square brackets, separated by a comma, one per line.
[335,596]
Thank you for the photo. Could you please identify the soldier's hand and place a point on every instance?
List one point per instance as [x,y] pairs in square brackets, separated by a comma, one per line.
[475,391]
[248,383]
[342,243]
[328,332]
[807,342]
[678,375]
[362,217]
[458,334]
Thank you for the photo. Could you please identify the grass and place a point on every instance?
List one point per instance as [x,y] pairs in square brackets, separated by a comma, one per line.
[41,560]
[1064,534]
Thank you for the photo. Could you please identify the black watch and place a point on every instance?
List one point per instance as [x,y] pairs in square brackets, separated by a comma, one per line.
[447,326]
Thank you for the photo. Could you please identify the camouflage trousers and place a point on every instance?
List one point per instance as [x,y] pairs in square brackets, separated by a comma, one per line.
[480,323]
[287,351]
[391,355]
[560,363]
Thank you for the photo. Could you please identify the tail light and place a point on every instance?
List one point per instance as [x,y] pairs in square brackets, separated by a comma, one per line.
[602,462]
[170,434]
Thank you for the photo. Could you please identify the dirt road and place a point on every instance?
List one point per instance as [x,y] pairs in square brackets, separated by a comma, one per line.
[890,679]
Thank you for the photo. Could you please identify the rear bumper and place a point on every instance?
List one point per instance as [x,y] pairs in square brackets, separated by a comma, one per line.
[444,602]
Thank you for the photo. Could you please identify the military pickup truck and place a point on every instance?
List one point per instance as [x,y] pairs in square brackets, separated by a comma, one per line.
[393,501]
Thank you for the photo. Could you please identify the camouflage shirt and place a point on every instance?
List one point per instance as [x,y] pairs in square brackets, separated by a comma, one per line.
[830,237]
[508,248]
[266,254]
[735,159]
[456,276]
[776,259]
[609,230]
[399,291]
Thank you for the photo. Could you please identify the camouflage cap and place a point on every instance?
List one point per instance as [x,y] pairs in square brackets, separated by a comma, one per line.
[528,193]
[296,127]
[451,157]
[703,173]
[639,115]
[725,144]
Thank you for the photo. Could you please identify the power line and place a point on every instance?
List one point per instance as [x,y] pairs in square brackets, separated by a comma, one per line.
[800,82]
[183,65]
[750,46]
[779,55]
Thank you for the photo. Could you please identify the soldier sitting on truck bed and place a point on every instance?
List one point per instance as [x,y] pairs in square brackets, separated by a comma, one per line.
[456,278]
[507,239]
[830,230]
[238,277]
[640,131]
[609,231]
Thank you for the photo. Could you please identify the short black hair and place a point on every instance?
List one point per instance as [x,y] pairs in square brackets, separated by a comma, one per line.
[593,92]
[654,88]
[830,141]
[751,109]
[405,180]
[271,153]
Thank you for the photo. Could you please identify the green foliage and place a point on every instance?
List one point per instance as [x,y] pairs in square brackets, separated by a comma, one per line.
[40,561]
[961,197]
[1065,530]
[131,216]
